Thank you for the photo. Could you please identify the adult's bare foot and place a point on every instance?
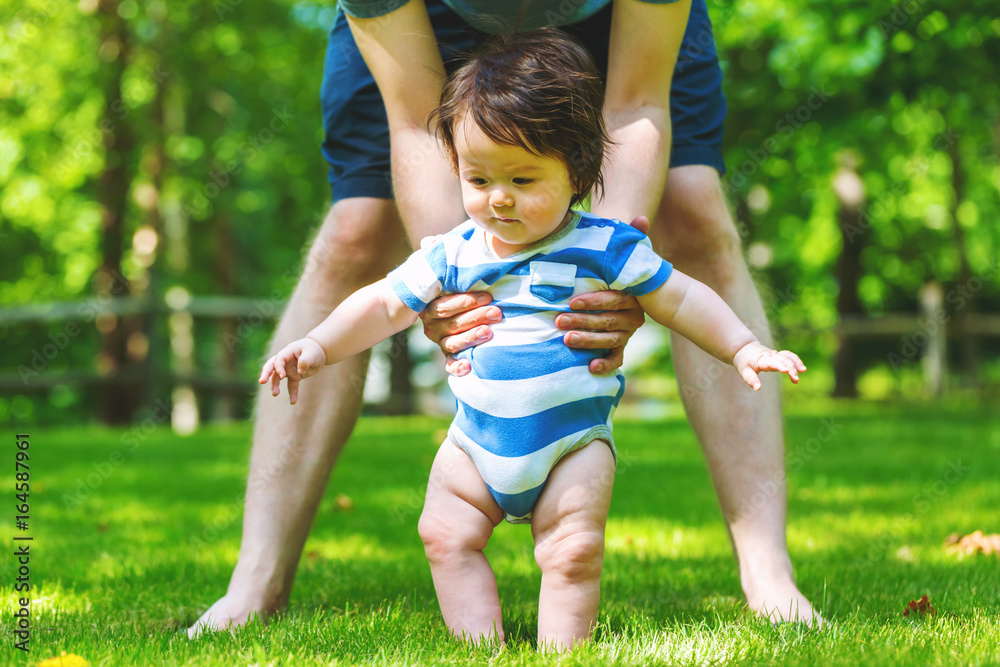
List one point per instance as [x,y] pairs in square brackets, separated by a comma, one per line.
[228,613]
[780,601]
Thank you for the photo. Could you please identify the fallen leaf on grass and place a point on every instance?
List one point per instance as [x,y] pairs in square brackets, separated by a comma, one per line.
[343,502]
[976,543]
[65,659]
[921,607]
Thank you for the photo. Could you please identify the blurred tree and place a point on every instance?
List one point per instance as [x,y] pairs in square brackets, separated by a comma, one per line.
[117,400]
[906,88]
[178,144]
[168,147]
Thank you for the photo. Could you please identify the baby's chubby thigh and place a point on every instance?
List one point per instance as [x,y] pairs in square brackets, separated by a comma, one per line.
[570,517]
[459,512]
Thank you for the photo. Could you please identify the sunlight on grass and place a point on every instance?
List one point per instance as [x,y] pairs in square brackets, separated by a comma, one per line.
[152,545]
[47,600]
[652,538]
[689,646]
[350,548]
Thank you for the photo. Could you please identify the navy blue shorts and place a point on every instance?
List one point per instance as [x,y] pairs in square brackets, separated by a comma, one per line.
[357,133]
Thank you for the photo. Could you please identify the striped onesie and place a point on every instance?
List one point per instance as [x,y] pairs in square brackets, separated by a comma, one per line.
[529,399]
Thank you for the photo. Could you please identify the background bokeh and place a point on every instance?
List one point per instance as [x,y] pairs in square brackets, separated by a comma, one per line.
[160,177]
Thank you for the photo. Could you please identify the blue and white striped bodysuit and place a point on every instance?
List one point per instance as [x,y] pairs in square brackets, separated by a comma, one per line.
[529,399]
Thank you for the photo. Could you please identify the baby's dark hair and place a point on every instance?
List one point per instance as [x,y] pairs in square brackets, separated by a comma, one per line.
[539,90]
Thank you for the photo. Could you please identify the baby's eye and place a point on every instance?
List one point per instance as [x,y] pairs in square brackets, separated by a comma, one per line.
[522,181]
[476,181]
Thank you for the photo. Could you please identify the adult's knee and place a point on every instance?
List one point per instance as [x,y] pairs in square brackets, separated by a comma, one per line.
[575,557]
[694,228]
[359,241]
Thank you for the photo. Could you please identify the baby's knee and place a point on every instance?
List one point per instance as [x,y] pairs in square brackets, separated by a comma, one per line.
[445,537]
[578,556]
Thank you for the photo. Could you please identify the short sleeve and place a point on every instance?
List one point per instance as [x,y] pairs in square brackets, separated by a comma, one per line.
[369,9]
[631,265]
[419,279]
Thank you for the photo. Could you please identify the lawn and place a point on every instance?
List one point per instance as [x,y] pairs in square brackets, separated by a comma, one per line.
[136,533]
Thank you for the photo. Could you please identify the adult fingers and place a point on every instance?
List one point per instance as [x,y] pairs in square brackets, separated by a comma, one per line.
[457,367]
[465,340]
[437,328]
[428,241]
[641,223]
[617,320]
[591,340]
[606,300]
[453,304]
[614,359]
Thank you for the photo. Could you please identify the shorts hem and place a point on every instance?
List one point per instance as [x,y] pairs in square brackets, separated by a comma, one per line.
[368,186]
[696,154]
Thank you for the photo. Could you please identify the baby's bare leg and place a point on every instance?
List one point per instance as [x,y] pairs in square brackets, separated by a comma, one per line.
[568,525]
[458,519]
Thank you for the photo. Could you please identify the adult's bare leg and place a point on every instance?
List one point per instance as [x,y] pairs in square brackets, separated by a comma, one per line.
[740,430]
[295,447]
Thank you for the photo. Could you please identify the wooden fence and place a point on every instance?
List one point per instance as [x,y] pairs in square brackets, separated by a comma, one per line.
[923,336]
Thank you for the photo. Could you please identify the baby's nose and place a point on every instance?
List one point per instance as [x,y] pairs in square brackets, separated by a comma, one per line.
[500,197]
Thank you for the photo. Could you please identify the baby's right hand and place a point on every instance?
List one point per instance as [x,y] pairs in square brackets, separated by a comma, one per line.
[308,357]
[754,358]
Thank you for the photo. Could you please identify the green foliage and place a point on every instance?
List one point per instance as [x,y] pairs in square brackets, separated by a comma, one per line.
[217,120]
[240,130]
[906,93]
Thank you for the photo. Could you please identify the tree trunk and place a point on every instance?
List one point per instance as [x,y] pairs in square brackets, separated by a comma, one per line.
[154,220]
[401,397]
[225,407]
[854,228]
[118,400]
[969,341]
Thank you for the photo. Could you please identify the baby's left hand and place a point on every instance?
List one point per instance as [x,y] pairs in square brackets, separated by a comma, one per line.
[756,358]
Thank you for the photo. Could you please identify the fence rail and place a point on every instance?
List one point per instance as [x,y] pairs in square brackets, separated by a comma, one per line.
[979,325]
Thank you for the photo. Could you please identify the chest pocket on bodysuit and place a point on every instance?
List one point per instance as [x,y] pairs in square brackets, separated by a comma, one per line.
[552,282]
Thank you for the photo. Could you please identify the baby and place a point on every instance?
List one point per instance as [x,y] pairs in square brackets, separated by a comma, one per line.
[531,441]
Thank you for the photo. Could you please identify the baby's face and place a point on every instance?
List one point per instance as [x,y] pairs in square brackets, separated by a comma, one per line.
[516,196]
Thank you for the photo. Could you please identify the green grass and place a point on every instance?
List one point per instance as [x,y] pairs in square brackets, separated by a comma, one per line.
[117,575]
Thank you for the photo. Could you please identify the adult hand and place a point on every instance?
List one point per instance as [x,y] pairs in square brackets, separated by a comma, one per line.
[460,321]
[457,322]
[610,329]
